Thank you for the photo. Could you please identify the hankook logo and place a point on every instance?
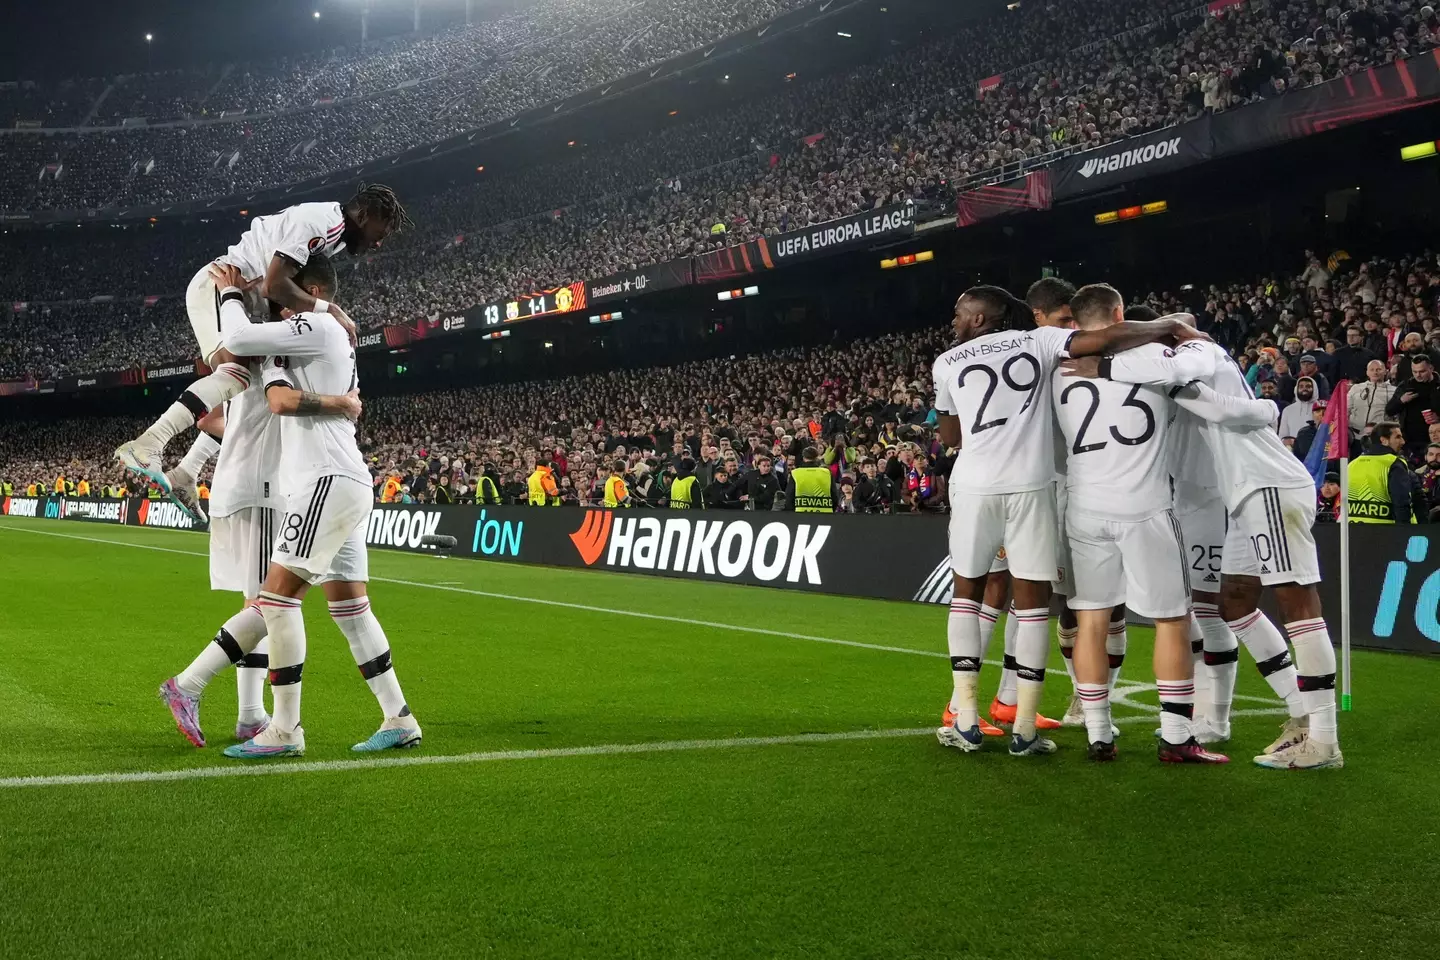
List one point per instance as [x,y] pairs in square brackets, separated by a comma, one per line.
[1131,158]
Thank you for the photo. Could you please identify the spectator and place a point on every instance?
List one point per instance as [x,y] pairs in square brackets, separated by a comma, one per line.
[1298,414]
[761,486]
[1327,502]
[1353,359]
[1414,405]
[1309,367]
[1368,401]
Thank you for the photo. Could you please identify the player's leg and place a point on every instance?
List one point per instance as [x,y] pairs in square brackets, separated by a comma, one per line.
[1097,583]
[996,595]
[229,377]
[183,478]
[1203,526]
[350,608]
[1248,538]
[250,676]
[977,528]
[1293,571]
[1030,538]
[237,563]
[1157,583]
[317,523]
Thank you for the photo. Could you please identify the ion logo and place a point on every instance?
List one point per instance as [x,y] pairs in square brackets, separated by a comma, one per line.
[730,549]
[495,537]
[1427,600]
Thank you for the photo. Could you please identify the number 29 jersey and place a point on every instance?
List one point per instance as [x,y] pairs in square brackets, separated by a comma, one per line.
[999,386]
[1118,446]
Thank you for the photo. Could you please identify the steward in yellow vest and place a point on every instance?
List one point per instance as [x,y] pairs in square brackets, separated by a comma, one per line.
[486,492]
[617,494]
[1382,489]
[682,489]
[810,488]
[543,490]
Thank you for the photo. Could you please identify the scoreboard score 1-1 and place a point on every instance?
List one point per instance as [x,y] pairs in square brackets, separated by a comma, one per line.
[566,299]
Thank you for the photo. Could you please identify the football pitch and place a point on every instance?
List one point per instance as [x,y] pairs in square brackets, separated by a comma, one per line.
[620,766]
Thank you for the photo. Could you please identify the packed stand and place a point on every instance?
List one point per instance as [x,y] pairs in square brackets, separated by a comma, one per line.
[1078,73]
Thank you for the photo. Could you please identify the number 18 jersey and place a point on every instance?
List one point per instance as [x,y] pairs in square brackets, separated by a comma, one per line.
[999,386]
[1117,446]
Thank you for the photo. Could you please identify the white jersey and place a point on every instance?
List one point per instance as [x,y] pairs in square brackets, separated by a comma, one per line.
[298,232]
[247,470]
[999,386]
[1117,446]
[312,353]
[1245,457]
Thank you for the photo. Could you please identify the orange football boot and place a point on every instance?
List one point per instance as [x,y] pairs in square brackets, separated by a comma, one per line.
[986,728]
[1005,713]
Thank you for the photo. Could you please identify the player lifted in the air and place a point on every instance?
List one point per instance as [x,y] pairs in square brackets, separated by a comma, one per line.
[321,534]
[993,395]
[269,254]
[1125,543]
[244,521]
[1269,498]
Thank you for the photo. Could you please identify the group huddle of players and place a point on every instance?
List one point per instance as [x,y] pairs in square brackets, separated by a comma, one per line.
[1120,459]
[291,491]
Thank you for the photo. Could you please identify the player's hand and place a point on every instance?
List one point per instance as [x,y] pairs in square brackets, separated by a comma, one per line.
[1407,396]
[352,405]
[1087,367]
[343,318]
[1183,332]
[226,275]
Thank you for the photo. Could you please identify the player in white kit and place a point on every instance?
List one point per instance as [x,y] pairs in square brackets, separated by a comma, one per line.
[1269,497]
[243,524]
[1124,539]
[269,254]
[993,395]
[328,498]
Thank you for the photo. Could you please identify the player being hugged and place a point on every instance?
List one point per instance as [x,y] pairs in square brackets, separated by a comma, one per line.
[269,254]
[992,392]
[321,535]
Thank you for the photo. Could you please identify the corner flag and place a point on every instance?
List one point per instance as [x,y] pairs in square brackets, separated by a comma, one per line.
[1332,437]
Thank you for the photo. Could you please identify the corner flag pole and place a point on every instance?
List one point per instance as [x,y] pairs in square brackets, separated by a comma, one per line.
[1344,583]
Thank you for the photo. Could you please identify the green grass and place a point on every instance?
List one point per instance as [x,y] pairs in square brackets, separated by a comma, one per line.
[885,847]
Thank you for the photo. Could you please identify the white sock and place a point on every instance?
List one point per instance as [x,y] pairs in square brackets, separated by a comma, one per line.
[962,632]
[989,616]
[1067,653]
[1032,649]
[201,451]
[1202,675]
[1222,657]
[1095,699]
[227,382]
[1272,657]
[371,652]
[1177,708]
[250,681]
[1315,662]
[1006,693]
[235,639]
[286,625]
[1116,642]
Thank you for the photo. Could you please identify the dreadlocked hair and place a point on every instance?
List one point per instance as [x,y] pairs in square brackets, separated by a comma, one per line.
[380,201]
[1010,312]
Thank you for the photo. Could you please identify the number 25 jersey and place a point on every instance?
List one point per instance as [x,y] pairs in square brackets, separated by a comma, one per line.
[998,385]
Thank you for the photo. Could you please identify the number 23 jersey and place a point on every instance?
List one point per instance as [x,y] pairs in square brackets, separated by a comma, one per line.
[1117,446]
[999,386]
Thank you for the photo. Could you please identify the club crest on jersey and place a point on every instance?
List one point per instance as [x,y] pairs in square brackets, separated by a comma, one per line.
[315,244]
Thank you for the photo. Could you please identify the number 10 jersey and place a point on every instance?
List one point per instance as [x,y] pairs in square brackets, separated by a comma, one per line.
[999,386]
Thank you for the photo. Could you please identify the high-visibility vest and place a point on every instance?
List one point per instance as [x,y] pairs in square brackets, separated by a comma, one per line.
[486,491]
[9,488]
[31,491]
[1370,489]
[83,489]
[682,493]
[203,492]
[390,493]
[539,496]
[615,491]
[812,490]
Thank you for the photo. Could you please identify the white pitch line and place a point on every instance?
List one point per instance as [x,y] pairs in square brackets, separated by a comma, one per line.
[587,608]
[282,768]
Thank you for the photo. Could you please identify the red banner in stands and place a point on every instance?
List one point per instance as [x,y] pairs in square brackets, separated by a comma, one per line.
[1030,192]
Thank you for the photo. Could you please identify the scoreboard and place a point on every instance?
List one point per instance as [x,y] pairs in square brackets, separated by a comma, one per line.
[545,303]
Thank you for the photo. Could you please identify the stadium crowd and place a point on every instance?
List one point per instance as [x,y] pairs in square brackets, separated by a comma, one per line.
[862,409]
[1077,73]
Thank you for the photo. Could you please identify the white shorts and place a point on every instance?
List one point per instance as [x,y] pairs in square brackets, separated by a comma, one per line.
[1270,538]
[240,546]
[322,535]
[1203,526]
[1140,564]
[1064,561]
[202,302]
[1024,523]
[1001,563]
